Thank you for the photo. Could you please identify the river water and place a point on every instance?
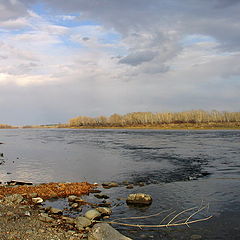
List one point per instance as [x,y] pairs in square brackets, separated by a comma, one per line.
[180,169]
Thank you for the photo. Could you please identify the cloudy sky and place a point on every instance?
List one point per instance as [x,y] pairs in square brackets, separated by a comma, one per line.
[60,59]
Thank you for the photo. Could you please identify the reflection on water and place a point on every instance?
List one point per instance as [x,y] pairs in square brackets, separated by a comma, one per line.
[181,169]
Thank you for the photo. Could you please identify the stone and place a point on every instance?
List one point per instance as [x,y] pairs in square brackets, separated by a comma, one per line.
[82,222]
[37,200]
[110,184]
[103,231]
[15,199]
[104,210]
[74,205]
[105,204]
[113,184]
[45,218]
[27,213]
[95,191]
[130,186]
[92,214]
[72,198]
[101,196]
[139,199]
[68,220]
[55,211]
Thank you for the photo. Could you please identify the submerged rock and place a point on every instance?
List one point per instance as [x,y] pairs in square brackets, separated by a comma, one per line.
[130,186]
[104,210]
[92,214]
[101,196]
[103,231]
[110,184]
[139,199]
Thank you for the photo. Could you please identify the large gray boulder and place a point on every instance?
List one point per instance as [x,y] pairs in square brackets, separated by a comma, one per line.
[139,199]
[103,231]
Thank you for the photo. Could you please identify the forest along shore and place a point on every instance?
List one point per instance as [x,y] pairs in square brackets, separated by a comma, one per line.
[195,119]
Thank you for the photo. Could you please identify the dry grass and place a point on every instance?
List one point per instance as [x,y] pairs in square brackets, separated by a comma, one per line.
[48,190]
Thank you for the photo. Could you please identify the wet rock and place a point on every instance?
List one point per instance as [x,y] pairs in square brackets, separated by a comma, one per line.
[141,184]
[82,222]
[139,199]
[130,186]
[103,231]
[55,211]
[110,184]
[104,210]
[105,204]
[74,205]
[101,196]
[13,199]
[113,184]
[95,191]
[72,198]
[92,214]
[37,200]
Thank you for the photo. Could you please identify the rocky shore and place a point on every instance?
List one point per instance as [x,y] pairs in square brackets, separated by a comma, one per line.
[23,214]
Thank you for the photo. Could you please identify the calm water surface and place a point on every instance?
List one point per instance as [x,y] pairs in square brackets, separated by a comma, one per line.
[181,169]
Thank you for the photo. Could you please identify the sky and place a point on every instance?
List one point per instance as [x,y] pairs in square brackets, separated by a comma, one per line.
[60,59]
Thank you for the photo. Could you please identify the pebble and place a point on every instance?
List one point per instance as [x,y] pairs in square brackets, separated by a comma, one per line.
[37,200]
[104,210]
[45,218]
[55,211]
[27,213]
[74,205]
[101,196]
[130,186]
[72,198]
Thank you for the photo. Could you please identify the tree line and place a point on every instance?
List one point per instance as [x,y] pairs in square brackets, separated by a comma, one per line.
[4,126]
[154,119]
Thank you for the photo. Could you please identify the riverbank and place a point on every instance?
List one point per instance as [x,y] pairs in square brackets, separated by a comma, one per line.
[167,126]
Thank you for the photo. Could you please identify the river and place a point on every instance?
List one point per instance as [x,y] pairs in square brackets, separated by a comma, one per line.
[180,169]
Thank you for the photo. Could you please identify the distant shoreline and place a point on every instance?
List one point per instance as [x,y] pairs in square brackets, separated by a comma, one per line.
[170,126]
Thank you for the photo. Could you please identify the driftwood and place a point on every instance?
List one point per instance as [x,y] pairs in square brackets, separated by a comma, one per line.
[170,220]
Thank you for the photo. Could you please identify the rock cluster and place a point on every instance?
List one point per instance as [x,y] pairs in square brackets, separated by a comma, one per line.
[87,224]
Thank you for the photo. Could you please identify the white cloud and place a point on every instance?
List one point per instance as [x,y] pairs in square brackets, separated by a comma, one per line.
[118,56]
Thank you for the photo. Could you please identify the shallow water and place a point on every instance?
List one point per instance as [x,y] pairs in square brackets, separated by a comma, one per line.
[167,161]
